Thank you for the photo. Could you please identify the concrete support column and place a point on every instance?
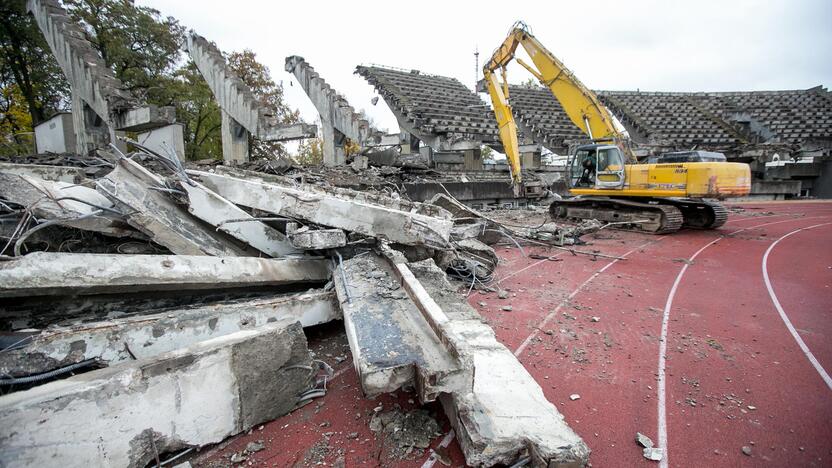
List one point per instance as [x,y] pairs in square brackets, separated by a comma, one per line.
[234,141]
[473,160]
[333,148]
[89,133]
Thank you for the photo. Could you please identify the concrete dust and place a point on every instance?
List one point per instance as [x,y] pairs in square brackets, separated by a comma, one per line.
[404,435]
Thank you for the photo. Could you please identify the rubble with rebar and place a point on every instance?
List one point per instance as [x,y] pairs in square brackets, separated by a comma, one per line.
[136,269]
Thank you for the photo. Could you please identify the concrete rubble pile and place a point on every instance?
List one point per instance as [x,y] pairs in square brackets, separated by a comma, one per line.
[151,286]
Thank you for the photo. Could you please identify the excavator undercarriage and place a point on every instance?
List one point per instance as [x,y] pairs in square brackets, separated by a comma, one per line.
[650,215]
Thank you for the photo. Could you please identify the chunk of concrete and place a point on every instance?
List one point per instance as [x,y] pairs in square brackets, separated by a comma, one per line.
[123,415]
[331,210]
[318,239]
[148,335]
[47,273]
[230,219]
[140,194]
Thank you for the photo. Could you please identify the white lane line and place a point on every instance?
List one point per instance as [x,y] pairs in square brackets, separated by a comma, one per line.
[823,374]
[444,443]
[548,259]
[552,314]
[662,407]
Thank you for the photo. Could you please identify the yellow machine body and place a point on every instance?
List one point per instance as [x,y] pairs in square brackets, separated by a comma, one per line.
[683,180]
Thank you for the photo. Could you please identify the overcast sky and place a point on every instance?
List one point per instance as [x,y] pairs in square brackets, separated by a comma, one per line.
[699,45]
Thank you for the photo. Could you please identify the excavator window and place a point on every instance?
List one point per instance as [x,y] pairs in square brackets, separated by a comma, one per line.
[583,168]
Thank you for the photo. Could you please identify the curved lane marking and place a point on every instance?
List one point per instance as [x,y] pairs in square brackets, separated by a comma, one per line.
[662,407]
[823,374]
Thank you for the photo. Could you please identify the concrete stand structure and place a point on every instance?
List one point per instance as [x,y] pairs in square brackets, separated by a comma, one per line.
[101,105]
[193,396]
[339,121]
[243,116]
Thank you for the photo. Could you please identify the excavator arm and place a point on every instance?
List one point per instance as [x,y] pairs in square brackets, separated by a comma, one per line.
[579,102]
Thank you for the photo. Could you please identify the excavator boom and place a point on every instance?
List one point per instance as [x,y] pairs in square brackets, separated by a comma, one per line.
[578,101]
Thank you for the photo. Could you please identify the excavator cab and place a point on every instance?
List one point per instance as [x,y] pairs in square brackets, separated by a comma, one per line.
[597,166]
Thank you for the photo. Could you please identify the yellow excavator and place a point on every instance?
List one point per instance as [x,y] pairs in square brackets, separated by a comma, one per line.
[604,179]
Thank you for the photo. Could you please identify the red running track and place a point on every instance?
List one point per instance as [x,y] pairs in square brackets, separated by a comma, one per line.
[733,374]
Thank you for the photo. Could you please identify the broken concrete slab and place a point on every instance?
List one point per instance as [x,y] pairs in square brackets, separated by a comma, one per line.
[141,196]
[230,219]
[123,415]
[392,346]
[148,335]
[67,204]
[46,273]
[316,206]
[68,174]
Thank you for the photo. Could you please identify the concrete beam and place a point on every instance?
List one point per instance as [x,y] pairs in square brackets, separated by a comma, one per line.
[331,209]
[191,397]
[144,118]
[135,192]
[237,223]
[67,204]
[48,274]
[101,104]
[288,132]
[149,335]
[392,346]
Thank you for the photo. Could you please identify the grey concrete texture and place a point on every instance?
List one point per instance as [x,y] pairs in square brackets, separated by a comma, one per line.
[392,346]
[140,195]
[191,397]
[48,274]
[147,335]
[342,209]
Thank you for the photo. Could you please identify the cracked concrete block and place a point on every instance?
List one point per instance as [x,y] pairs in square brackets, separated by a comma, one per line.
[406,325]
[139,194]
[191,397]
[318,239]
[331,209]
[47,273]
[147,335]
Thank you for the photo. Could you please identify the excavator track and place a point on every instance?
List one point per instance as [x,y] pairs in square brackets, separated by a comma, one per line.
[699,214]
[652,218]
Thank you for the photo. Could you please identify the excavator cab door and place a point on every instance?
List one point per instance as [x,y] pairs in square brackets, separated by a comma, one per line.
[610,168]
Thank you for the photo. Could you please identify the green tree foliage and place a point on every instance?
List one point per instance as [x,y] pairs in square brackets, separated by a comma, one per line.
[141,46]
[29,75]
[144,49]
[310,152]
